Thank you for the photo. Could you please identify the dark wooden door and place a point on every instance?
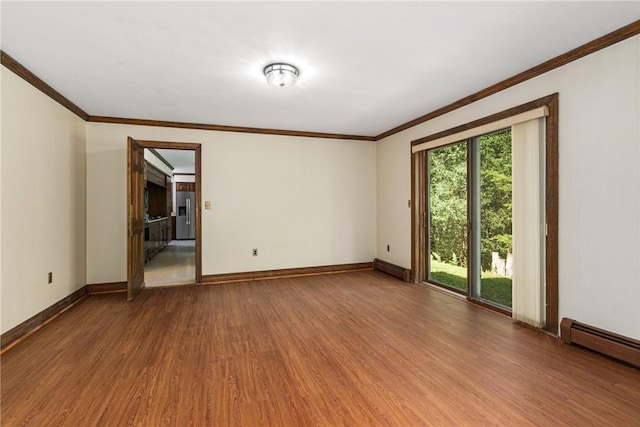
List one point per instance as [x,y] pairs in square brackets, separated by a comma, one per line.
[135,174]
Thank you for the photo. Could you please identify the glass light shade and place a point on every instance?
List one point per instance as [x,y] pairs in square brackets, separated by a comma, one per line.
[281,75]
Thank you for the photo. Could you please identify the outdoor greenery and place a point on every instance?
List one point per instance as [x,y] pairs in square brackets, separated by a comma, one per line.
[495,196]
[492,287]
[448,203]
[448,213]
[448,199]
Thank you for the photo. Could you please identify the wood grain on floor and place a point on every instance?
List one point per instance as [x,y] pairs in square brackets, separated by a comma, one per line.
[343,349]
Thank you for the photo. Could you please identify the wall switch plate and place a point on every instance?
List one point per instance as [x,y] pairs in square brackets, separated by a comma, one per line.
[207,204]
[50,279]
[255,252]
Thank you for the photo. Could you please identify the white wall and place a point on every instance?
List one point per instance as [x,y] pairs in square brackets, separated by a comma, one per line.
[43,201]
[599,211]
[300,201]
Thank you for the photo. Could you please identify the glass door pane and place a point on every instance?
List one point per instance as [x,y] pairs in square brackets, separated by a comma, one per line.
[447,216]
[495,218]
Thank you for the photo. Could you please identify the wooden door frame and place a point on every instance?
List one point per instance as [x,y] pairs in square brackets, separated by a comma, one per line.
[198,165]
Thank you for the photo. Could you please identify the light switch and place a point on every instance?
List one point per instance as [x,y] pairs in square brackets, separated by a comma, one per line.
[207,204]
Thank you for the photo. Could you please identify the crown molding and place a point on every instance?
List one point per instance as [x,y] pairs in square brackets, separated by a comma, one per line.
[607,40]
[18,69]
[600,43]
[223,128]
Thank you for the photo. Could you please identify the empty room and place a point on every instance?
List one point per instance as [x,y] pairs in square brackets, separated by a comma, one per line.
[320,213]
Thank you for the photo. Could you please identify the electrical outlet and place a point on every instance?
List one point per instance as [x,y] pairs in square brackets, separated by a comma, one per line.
[255,252]
[388,248]
[50,280]
[207,204]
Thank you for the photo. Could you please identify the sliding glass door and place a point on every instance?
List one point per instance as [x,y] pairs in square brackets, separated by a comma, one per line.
[492,212]
[447,211]
[469,209]
[484,211]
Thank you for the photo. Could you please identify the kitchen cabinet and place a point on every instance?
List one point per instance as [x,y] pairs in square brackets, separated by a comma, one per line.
[155,175]
[158,205]
[157,236]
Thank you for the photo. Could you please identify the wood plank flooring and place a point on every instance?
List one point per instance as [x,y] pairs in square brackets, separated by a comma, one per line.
[342,349]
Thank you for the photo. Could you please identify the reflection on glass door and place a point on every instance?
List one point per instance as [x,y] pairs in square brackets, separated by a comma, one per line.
[447,212]
[495,218]
[469,232]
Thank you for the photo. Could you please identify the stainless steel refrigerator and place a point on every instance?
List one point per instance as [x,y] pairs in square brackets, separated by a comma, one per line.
[186,215]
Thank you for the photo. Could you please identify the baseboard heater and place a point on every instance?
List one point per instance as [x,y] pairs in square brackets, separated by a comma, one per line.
[392,269]
[613,345]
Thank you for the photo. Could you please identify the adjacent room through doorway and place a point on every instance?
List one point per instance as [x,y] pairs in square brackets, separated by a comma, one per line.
[170,217]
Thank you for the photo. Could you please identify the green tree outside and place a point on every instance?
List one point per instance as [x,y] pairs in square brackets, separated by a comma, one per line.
[448,200]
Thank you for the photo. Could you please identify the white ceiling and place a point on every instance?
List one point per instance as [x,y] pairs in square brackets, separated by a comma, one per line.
[366,66]
[182,160]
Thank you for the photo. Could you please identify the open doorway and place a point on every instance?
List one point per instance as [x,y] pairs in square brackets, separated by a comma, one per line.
[170,220]
[166,208]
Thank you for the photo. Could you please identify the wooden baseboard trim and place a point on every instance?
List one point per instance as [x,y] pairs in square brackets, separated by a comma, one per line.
[401,273]
[215,279]
[602,341]
[29,326]
[106,288]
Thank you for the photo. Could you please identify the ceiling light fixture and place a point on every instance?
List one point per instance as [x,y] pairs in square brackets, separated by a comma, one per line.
[281,74]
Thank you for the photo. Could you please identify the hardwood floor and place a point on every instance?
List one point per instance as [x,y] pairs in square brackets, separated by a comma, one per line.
[343,349]
[175,264]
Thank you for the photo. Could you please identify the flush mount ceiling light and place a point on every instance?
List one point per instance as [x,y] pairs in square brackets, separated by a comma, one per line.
[281,74]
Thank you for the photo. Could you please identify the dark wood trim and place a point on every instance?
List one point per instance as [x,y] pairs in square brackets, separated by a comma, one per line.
[39,84]
[401,273]
[212,279]
[183,174]
[224,128]
[418,212]
[600,340]
[551,211]
[198,159]
[605,41]
[35,322]
[414,211]
[161,158]
[106,288]
[551,190]
[541,102]
[593,46]
[35,81]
